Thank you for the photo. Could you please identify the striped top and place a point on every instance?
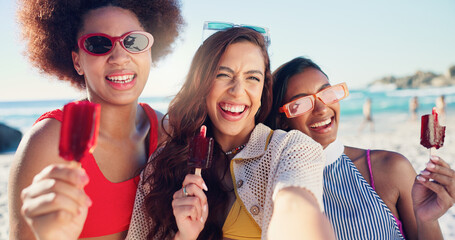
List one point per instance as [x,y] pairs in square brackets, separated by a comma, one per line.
[353,207]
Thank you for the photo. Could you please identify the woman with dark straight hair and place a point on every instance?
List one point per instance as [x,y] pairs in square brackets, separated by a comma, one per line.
[368,194]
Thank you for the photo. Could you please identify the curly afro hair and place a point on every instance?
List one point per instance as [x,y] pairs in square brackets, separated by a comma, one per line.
[50,28]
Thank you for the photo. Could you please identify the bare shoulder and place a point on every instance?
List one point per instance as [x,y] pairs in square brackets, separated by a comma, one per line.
[163,125]
[355,154]
[162,119]
[38,149]
[392,171]
[387,166]
[392,162]
[159,115]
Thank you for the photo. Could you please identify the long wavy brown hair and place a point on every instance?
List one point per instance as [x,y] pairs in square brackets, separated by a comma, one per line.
[187,112]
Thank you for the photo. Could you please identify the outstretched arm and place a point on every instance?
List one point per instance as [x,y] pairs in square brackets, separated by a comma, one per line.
[296,215]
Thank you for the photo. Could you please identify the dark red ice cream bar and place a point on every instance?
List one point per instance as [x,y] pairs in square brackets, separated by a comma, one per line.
[431,133]
[79,130]
[201,150]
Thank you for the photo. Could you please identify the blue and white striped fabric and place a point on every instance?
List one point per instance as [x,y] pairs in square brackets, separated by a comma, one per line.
[355,210]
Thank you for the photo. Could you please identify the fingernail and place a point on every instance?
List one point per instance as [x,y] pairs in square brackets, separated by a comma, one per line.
[434,157]
[421,179]
[425,173]
[83,177]
[202,219]
[79,210]
[430,165]
[204,208]
[205,187]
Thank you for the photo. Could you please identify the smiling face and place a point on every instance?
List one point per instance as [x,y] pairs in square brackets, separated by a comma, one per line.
[321,123]
[118,77]
[235,96]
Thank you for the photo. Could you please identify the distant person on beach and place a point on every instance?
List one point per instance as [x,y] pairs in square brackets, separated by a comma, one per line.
[104,48]
[368,194]
[413,107]
[440,105]
[367,116]
[254,188]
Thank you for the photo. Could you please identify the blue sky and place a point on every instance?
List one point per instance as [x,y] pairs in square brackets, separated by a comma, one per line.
[354,41]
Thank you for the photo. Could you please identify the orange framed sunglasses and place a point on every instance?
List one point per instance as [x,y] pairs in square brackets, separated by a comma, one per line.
[330,95]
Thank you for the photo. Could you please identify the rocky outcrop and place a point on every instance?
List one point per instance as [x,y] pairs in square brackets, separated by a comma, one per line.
[450,72]
[9,138]
[419,80]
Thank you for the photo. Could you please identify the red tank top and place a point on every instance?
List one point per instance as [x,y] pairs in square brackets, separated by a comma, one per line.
[112,202]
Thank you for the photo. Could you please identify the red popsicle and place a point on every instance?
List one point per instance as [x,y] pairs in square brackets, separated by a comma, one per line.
[79,131]
[431,133]
[201,149]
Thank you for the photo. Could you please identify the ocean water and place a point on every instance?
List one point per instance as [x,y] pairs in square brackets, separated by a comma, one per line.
[385,105]
[396,101]
[22,114]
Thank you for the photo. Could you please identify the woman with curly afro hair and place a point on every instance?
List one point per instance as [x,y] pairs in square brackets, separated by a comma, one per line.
[105,48]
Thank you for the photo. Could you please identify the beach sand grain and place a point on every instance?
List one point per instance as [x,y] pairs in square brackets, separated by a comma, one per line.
[393,134]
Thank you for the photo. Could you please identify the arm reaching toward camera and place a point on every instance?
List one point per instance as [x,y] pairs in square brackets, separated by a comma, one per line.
[296,215]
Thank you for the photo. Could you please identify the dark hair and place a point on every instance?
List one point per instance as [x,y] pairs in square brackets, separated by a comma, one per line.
[187,112]
[51,28]
[281,77]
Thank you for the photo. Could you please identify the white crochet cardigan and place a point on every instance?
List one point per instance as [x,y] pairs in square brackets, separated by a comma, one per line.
[271,161]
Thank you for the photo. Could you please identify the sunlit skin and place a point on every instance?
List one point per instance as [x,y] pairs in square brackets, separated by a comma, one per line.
[306,83]
[311,81]
[97,70]
[121,150]
[236,92]
[393,174]
[232,104]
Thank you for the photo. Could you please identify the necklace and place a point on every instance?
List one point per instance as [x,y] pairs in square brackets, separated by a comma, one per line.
[235,150]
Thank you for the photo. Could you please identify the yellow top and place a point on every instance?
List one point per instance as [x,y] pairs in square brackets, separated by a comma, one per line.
[239,225]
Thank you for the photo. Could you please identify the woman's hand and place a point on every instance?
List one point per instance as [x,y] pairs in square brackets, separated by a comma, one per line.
[190,207]
[55,204]
[431,199]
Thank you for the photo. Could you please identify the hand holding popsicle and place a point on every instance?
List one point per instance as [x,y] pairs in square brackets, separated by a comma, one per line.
[433,192]
[79,131]
[191,209]
[78,137]
[201,149]
[64,217]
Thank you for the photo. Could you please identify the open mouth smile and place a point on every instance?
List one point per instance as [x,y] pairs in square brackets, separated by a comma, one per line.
[322,125]
[121,78]
[235,109]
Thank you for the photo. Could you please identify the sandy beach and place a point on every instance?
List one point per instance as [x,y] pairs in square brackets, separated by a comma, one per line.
[398,135]
[403,136]
[5,162]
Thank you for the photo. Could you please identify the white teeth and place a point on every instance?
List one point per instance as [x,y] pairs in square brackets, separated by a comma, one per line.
[233,108]
[121,79]
[320,124]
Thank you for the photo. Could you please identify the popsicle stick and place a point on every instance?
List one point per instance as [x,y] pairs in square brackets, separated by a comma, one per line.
[197,172]
[432,151]
[75,164]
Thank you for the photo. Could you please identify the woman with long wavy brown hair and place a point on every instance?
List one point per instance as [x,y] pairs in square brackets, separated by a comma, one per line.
[248,188]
